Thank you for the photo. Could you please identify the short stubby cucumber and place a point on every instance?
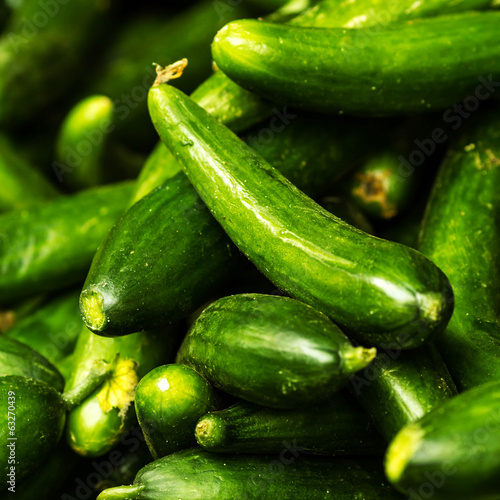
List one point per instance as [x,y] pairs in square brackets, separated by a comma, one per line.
[271,350]
[377,291]
[380,73]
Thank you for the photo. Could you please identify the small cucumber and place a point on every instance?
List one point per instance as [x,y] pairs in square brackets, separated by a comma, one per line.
[400,387]
[31,425]
[377,291]
[17,358]
[284,354]
[169,400]
[460,233]
[453,451]
[197,474]
[358,72]
[51,247]
[338,427]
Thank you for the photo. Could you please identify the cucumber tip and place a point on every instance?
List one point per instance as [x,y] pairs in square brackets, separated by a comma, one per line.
[92,307]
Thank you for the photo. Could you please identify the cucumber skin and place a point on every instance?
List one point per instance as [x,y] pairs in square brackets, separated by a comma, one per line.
[18,359]
[39,420]
[459,440]
[241,190]
[51,247]
[337,427]
[169,400]
[52,330]
[170,261]
[358,72]
[284,355]
[197,474]
[459,233]
[400,387]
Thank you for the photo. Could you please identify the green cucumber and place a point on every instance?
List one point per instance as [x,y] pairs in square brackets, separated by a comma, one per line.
[169,400]
[21,184]
[52,329]
[453,451]
[378,291]
[17,358]
[346,210]
[41,51]
[101,387]
[31,425]
[52,246]
[81,142]
[459,233]
[358,72]
[133,263]
[338,427]
[284,354]
[400,387]
[196,474]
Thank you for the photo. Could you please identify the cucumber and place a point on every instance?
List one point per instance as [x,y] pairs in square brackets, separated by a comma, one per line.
[17,358]
[400,387]
[459,233]
[353,76]
[101,388]
[132,265]
[346,210]
[337,427]
[41,50]
[82,139]
[52,246]
[195,474]
[31,425]
[169,400]
[453,451]
[284,355]
[21,185]
[377,291]
[52,329]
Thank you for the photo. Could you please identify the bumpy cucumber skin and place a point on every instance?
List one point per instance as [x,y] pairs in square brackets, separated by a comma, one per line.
[52,246]
[380,73]
[170,261]
[337,427]
[91,431]
[52,329]
[460,233]
[17,358]
[39,420]
[270,350]
[169,400]
[197,474]
[457,445]
[380,292]
[400,387]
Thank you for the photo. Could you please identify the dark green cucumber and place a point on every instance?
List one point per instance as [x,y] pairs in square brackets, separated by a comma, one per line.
[453,451]
[460,233]
[338,427]
[21,184]
[52,329]
[17,358]
[270,350]
[155,249]
[346,210]
[52,246]
[169,400]
[41,51]
[378,291]
[400,387]
[358,72]
[31,425]
[102,384]
[196,474]
[81,142]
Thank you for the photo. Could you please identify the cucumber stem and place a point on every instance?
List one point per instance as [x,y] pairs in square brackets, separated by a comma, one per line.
[357,358]
[92,306]
[210,432]
[132,492]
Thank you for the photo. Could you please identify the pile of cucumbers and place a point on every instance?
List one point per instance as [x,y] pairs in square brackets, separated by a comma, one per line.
[293,294]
